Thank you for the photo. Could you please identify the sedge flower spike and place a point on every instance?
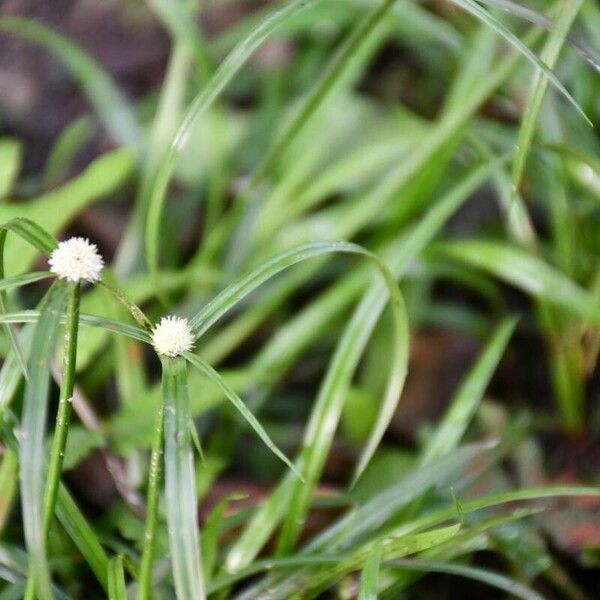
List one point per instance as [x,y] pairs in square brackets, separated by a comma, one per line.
[76,259]
[172,336]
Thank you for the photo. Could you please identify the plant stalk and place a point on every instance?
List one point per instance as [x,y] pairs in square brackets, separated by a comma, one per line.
[154,477]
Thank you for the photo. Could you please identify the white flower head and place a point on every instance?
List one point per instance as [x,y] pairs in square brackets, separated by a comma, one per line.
[75,259]
[172,336]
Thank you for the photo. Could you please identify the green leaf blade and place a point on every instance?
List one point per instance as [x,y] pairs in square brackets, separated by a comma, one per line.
[180,484]
[32,453]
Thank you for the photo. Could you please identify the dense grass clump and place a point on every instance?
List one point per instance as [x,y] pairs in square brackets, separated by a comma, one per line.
[323,322]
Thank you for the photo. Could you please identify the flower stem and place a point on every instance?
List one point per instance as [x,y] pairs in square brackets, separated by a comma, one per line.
[154,476]
[63,415]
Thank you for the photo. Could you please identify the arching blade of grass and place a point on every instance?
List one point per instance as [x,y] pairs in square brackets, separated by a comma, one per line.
[237,402]
[465,402]
[235,292]
[560,30]
[230,66]
[399,257]
[495,580]
[335,387]
[483,15]
[526,272]
[369,579]
[116,579]
[541,20]
[32,453]
[110,104]
[180,484]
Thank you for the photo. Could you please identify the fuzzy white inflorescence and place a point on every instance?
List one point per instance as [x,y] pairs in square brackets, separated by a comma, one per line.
[75,259]
[172,336]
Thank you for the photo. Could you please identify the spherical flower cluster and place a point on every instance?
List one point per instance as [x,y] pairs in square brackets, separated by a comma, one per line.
[76,259]
[172,336]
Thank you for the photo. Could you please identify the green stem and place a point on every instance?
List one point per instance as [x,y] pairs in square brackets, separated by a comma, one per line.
[154,476]
[63,416]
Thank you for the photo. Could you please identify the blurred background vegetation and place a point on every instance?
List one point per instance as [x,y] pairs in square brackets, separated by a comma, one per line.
[458,141]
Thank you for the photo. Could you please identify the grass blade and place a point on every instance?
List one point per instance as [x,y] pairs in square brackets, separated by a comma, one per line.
[484,16]
[25,279]
[116,579]
[560,30]
[359,525]
[237,402]
[82,535]
[526,272]
[110,104]
[464,404]
[131,331]
[238,290]
[369,579]
[541,20]
[180,484]
[439,516]
[154,479]
[33,424]
[399,257]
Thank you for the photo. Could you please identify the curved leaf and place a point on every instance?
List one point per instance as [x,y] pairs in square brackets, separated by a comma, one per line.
[483,15]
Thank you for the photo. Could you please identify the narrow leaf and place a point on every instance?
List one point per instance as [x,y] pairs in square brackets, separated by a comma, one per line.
[369,579]
[82,535]
[527,272]
[180,484]
[550,54]
[32,453]
[116,579]
[214,376]
[482,14]
[464,404]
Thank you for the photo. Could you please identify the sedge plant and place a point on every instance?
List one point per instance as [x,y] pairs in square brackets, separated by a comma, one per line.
[195,344]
